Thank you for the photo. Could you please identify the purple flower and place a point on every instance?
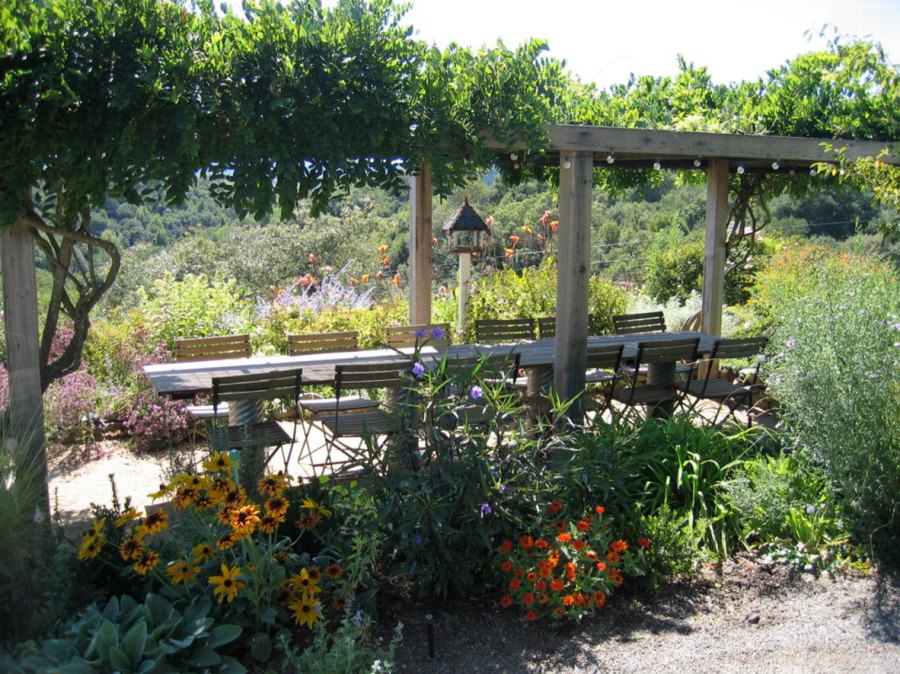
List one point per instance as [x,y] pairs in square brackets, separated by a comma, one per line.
[437,333]
[810,510]
[418,370]
[476,392]
[501,488]
[417,539]
[486,509]
[791,343]
[420,333]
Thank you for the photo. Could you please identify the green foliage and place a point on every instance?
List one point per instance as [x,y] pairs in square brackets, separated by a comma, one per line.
[194,307]
[350,647]
[675,546]
[531,292]
[150,638]
[833,370]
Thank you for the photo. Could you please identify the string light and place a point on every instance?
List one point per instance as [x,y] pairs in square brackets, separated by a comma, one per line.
[610,158]
[514,156]
[740,169]
[567,163]
[775,165]
[697,162]
[657,165]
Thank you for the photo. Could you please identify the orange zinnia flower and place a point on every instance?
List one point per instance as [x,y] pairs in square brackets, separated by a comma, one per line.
[531,616]
[506,546]
[541,544]
[564,537]
[568,600]
[613,557]
[557,584]
[526,542]
[618,546]
[583,526]
[528,598]
[505,601]
[515,584]
[506,565]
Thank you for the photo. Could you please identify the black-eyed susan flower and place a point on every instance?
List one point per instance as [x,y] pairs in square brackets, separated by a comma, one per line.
[203,551]
[146,562]
[244,520]
[126,517]
[315,573]
[91,546]
[181,572]
[131,548]
[203,502]
[311,505]
[305,610]
[277,505]
[153,523]
[303,582]
[219,486]
[269,523]
[184,497]
[227,541]
[334,571]
[309,521]
[273,485]
[219,462]
[228,584]
[163,491]
[95,529]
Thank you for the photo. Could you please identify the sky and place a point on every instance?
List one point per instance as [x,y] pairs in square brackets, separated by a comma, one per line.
[604,42]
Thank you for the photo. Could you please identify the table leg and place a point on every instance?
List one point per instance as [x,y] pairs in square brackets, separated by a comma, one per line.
[663,376]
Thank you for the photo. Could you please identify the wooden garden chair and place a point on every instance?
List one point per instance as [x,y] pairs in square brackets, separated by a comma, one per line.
[211,348]
[635,393]
[322,342]
[410,336]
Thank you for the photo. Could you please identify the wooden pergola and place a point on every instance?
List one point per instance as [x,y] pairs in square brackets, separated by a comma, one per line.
[577,150]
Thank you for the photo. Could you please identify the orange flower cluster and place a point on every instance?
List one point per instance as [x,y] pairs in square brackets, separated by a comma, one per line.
[568,571]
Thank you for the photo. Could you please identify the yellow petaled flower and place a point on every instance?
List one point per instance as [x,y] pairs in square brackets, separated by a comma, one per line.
[234,498]
[203,502]
[315,573]
[153,523]
[203,551]
[184,497]
[220,486]
[131,548]
[309,504]
[303,582]
[219,462]
[227,541]
[227,585]
[126,517]
[273,485]
[146,562]
[306,610]
[277,506]
[164,490]
[182,572]
[269,523]
[91,547]
[245,520]
[95,529]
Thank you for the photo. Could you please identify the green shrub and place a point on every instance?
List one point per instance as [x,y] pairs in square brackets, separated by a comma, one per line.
[193,307]
[834,373]
[531,293]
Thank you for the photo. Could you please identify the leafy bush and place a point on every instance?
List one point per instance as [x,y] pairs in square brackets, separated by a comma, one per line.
[193,307]
[531,293]
[71,407]
[833,371]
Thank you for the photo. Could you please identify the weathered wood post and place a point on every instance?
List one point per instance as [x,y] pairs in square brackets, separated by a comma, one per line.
[714,251]
[420,234]
[572,276]
[25,420]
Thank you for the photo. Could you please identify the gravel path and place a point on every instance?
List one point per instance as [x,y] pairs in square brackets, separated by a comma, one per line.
[748,618]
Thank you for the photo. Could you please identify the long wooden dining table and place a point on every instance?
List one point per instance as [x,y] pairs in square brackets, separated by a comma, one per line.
[187,379]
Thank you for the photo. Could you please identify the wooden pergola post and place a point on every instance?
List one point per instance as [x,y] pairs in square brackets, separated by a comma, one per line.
[420,233]
[26,409]
[714,251]
[573,274]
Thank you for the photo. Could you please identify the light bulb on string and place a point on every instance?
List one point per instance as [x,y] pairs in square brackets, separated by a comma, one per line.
[775,165]
[514,156]
[567,163]
[657,165]
[610,158]
[741,169]
[697,162]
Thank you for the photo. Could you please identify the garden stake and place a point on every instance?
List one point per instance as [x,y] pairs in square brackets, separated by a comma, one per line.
[429,627]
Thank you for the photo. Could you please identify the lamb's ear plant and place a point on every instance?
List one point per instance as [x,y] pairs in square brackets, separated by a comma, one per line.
[149,638]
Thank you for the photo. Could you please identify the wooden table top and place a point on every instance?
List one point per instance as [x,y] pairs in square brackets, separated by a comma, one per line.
[185,379]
